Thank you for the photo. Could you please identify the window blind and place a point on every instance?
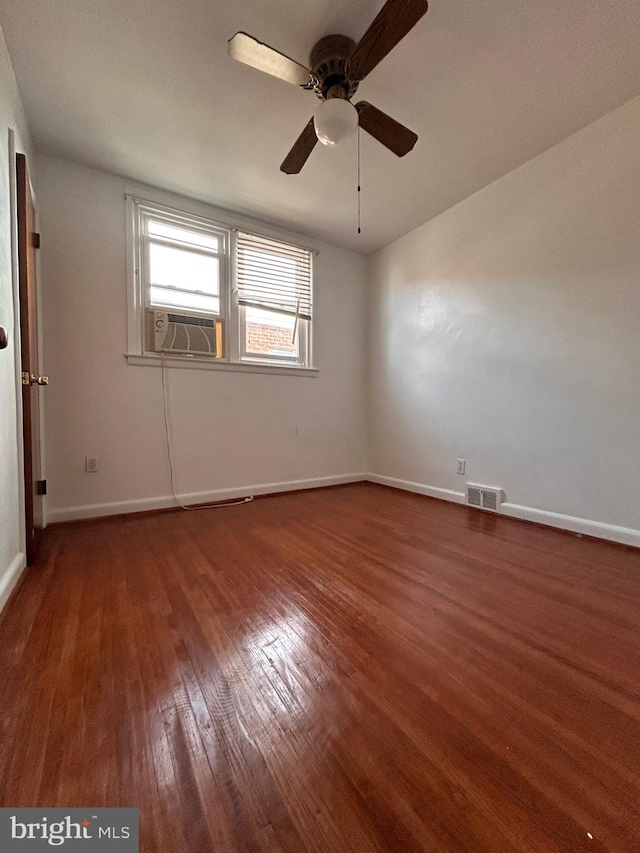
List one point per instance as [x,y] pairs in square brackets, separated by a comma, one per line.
[273,275]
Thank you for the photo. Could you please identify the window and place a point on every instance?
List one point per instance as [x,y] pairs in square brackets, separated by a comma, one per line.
[182,262]
[254,291]
[273,287]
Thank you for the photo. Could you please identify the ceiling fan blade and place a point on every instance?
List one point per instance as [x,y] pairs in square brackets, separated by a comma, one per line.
[391,25]
[302,148]
[393,135]
[252,52]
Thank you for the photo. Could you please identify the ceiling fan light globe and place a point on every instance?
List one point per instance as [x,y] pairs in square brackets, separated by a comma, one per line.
[335,120]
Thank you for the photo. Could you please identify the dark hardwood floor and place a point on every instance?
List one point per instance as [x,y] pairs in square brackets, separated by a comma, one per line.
[351,669]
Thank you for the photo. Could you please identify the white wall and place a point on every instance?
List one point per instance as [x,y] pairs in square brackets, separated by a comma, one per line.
[504,332]
[230,431]
[507,332]
[12,556]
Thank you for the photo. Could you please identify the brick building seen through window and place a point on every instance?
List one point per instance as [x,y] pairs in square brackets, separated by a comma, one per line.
[269,333]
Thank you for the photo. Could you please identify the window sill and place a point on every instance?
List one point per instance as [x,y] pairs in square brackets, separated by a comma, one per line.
[194,363]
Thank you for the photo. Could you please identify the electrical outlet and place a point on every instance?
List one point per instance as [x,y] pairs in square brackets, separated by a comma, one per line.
[91,464]
[461,467]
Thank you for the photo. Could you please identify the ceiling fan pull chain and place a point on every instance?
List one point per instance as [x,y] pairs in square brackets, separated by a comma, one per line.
[359,179]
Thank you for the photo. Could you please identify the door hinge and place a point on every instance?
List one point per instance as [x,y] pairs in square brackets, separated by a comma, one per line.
[32,379]
[36,240]
[41,487]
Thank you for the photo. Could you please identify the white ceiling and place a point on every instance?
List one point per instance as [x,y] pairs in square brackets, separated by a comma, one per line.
[145,89]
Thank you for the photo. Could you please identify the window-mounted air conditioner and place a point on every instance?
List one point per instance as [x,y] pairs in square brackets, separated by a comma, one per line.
[185,334]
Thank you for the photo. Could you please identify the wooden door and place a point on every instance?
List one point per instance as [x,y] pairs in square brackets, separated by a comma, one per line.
[28,241]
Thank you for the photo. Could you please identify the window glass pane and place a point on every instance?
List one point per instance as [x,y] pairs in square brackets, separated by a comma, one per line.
[174,232]
[171,267]
[164,298]
[270,334]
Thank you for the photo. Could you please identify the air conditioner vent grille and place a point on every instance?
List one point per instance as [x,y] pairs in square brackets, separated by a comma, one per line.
[187,320]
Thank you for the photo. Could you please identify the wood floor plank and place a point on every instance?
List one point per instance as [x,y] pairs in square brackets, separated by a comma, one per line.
[353,670]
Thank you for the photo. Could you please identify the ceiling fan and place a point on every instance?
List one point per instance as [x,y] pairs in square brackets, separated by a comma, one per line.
[337,66]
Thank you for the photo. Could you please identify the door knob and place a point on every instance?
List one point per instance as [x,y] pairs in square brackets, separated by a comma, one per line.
[41,380]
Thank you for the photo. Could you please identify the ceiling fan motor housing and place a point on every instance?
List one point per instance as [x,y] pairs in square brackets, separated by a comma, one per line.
[329,65]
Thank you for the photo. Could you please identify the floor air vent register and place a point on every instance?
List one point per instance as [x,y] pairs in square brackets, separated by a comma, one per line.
[484,497]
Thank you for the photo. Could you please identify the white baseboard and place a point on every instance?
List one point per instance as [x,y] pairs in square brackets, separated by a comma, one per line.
[419,488]
[10,577]
[75,513]
[623,535]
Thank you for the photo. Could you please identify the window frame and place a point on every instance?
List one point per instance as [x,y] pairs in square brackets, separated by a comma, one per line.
[232,314]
